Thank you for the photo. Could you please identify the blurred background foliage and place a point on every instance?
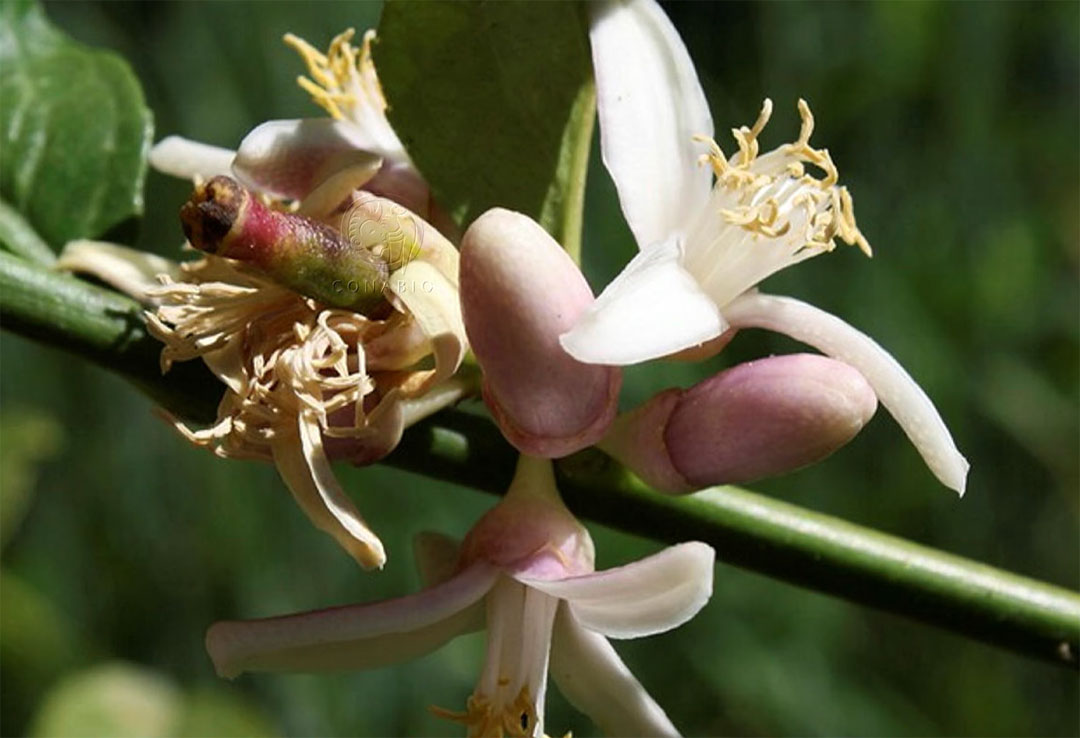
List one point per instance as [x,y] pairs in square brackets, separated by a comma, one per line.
[956,127]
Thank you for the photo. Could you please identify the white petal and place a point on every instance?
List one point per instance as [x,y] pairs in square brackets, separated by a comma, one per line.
[433,301]
[292,158]
[590,674]
[652,309]
[649,596]
[129,270]
[650,105]
[353,637]
[898,392]
[303,465]
[181,157]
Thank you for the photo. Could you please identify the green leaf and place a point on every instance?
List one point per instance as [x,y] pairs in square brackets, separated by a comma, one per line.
[494,102]
[74,128]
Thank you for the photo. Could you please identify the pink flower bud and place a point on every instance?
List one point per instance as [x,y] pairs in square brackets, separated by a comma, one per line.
[759,419]
[519,293]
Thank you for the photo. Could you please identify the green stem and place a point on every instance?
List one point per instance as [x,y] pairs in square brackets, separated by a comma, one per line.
[748,530]
[19,237]
[105,327]
[576,147]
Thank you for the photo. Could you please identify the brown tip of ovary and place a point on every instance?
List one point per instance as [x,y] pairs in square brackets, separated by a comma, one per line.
[212,213]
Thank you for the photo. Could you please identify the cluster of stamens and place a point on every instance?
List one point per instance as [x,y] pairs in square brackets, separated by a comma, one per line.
[342,76]
[828,209]
[482,719]
[278,353]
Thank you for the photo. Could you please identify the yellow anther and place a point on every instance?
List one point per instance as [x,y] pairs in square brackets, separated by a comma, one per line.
[482,720]
[762,218]
[807,127]
[747,137]
[338,77]
[828,208]
[314,59]
[763,118]
[850,231]
[322,98]
[715,156]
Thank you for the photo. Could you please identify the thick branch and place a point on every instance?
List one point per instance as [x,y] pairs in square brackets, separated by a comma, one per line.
[748,530]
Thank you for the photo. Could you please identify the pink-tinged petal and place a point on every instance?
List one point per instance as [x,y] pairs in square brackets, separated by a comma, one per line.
[181,157]
[400,182]
[643,598]
[353,637]
[898,392]
[652,309]
[519,292]
[302,463]
[380,434]
[755,420]
[291,158]
[650,106]
[590,674]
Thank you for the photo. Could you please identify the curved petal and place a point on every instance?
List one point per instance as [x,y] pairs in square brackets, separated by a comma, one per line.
[590,674]
[181,157]
[433,301]
[650,106]
[303,465]
[653,308]
[898,392]
[650,596]
[291,158]
[353,637]
[131,271]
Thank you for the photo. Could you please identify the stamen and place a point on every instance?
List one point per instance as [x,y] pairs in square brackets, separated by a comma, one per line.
[331,73]
[315,60]
[827,209]
[747,137]
[277,352]
[807,127]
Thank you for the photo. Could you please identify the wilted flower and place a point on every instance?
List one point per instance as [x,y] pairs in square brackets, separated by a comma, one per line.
[526,570]
[704,245]
[317,162]
[330,312]
[306,380]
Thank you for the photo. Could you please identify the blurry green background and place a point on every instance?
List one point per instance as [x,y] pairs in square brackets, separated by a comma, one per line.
[955,126]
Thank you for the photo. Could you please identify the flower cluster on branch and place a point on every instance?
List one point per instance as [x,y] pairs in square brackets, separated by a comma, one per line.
[333,305]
